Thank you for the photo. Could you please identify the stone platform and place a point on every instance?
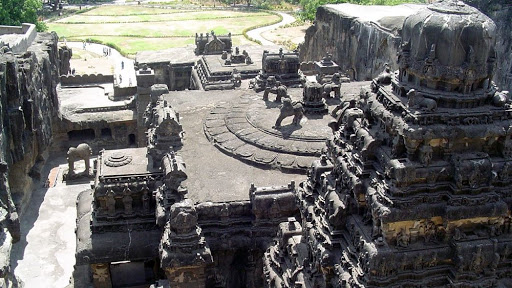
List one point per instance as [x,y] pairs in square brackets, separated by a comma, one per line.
[243,129]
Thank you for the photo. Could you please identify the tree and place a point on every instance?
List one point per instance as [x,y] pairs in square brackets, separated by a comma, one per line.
[15,12]
[56,5]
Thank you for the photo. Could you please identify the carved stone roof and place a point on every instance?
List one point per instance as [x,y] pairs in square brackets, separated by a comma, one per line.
[452,35]
[116,162]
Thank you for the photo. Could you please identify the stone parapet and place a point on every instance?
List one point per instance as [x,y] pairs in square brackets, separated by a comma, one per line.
[19,38]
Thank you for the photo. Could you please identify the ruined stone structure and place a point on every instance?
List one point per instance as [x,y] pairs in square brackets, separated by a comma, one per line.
[171,67]
[411,191]
[221,72]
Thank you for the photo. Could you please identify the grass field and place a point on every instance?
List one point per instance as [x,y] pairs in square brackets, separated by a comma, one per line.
[135,28]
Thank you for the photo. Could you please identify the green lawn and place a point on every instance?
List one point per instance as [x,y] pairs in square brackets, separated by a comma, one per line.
[135,28]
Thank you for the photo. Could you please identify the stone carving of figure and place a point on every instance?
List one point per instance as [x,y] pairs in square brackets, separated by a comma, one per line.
[290,109]
[495,261]
[127,201]
[430,230]
[271,82]
[426,154]
[236,78]
[111,203]
[476,263]
[418,101]
[224,212]
[402,239]
[145,200]
[501,98]
[418,262]
[458,234]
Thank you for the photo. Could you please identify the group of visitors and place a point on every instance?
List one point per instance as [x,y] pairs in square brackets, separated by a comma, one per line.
[107,51]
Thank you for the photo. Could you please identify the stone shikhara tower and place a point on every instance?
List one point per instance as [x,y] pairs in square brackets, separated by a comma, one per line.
[414,189]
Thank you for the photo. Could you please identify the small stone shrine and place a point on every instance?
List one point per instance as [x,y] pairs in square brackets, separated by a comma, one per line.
[312,97]
[282,66]
[213,44]
[325,69]
[222,71]
[414,188]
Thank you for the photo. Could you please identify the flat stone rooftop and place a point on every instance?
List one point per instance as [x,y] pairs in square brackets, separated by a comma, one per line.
[212,175]
[126,162]
[171,55]
[84,104]
[388,17]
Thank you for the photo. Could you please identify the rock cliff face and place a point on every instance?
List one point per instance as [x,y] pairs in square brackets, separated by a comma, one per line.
[28,106]
[362,40]
[360,43]
[500,11]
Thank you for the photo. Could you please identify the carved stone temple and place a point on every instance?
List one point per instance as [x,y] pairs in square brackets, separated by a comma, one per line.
[414,188]
[252,166]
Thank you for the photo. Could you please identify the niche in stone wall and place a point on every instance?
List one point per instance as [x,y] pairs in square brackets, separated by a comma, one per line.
[81,135]
[106,133]
[132,140]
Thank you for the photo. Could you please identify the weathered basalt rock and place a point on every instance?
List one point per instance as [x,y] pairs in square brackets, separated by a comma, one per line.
[28,108]
[366,41]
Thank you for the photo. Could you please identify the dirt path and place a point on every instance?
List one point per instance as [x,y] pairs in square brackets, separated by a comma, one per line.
[124,71]
[256,33]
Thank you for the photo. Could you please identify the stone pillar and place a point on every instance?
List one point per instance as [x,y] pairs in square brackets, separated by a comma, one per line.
[145,79]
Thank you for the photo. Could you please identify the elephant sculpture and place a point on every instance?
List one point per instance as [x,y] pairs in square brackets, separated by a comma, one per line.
[290,109]
[82,151]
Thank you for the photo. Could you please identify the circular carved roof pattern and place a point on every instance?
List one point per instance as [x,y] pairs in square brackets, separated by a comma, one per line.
[117,159]
[244,130]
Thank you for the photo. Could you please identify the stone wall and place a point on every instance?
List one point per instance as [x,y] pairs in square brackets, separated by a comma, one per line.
[28,107]
[86,79]
[362,46]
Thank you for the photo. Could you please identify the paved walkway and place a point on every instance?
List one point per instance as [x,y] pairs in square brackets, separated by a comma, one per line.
[45,255]
[256,33]
[124,71]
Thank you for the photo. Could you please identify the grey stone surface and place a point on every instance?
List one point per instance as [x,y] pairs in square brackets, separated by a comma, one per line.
[213,175]
[44,257]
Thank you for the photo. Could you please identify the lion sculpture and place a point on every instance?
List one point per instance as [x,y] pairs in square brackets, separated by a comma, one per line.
[290,109]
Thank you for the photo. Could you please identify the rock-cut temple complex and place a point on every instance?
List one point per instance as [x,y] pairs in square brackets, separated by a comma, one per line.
[401,181]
